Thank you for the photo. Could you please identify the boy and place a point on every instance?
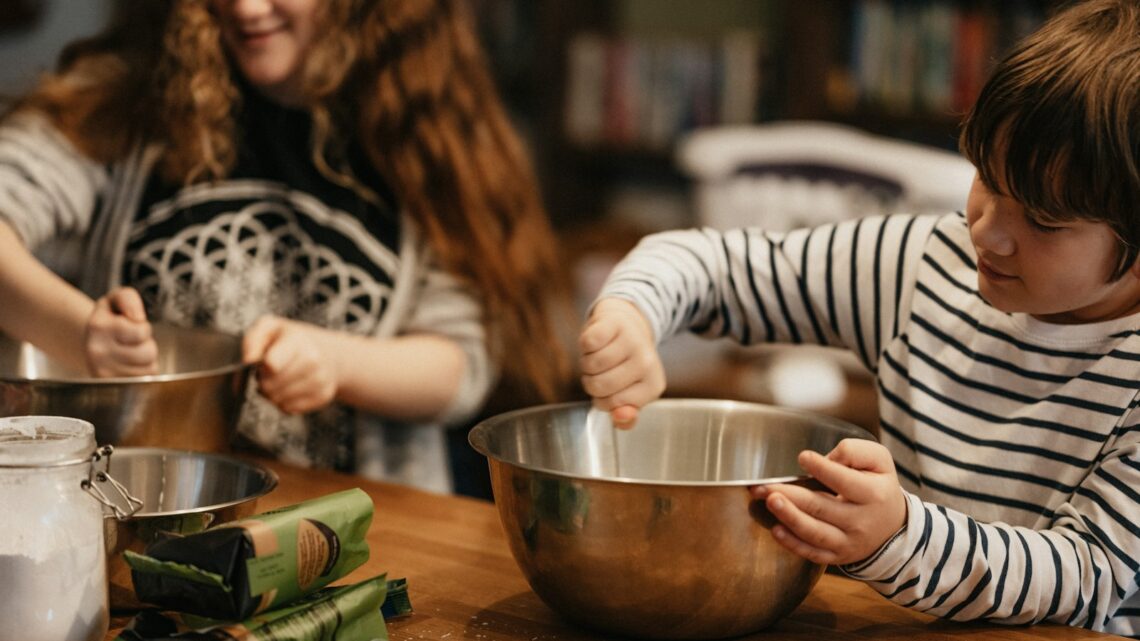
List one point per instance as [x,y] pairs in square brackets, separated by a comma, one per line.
[1004,341]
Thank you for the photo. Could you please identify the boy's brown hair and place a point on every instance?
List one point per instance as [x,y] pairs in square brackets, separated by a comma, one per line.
[1058,122]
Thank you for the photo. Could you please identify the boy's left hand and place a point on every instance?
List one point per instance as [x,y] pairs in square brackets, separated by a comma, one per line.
[868,506]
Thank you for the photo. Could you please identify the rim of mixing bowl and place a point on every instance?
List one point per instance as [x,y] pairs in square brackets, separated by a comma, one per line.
[132,380]
[159,328]
[271,479]
[478,439]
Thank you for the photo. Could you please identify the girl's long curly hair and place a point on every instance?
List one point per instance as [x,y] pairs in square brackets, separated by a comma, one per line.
[406,79]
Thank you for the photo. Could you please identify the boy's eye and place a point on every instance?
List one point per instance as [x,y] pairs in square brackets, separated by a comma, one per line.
[1036,223]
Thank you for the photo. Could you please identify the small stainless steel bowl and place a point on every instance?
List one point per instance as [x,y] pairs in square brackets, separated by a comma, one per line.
[672,547]
[182,492]
[192,403]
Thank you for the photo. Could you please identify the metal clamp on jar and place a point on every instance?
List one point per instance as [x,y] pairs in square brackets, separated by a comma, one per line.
[52,555]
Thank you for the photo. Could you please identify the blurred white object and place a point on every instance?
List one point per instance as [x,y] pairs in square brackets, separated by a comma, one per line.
[783,175]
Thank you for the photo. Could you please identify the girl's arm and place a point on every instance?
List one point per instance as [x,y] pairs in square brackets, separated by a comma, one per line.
[49,189]
[39,306]
[437,368]
[303,367]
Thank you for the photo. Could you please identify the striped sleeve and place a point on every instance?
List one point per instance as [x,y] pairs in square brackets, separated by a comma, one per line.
[47,187]
[844,285]
[1078,571]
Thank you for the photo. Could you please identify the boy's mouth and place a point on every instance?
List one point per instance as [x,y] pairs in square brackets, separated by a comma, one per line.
[992,273]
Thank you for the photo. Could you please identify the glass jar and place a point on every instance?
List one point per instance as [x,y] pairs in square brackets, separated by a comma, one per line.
[53,572]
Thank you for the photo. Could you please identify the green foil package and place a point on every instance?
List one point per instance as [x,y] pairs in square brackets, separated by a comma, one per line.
[237,569]
[345,613]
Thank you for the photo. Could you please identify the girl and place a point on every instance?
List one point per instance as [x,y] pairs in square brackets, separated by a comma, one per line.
[334,178]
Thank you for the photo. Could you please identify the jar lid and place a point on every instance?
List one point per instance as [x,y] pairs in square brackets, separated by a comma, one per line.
[45,440]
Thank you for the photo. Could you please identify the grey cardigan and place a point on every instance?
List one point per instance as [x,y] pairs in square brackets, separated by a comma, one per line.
[74,211]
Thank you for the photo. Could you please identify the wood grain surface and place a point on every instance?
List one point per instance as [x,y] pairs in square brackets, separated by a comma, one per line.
[464,584]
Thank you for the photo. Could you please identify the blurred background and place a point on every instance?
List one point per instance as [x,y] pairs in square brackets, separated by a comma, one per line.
[645,115]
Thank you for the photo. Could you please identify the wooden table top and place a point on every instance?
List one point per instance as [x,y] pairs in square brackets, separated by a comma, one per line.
[464,584]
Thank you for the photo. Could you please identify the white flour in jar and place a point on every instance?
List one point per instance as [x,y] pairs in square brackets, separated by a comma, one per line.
[53,566]
[59,598]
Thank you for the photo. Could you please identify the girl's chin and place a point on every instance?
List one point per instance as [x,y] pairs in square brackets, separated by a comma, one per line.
[284,92]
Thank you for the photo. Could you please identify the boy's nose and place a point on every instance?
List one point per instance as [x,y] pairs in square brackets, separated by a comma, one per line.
[990,233]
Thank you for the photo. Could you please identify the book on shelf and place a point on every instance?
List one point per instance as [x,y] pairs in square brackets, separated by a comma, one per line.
[930,57]
[641,93]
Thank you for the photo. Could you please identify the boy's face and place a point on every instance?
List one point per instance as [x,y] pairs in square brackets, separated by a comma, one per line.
[268,40]
[1057,272]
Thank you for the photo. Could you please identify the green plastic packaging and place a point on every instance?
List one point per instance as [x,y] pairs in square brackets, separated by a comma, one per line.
[344,613]
[235,570]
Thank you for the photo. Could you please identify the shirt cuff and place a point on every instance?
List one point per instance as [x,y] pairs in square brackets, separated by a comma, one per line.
[898,549]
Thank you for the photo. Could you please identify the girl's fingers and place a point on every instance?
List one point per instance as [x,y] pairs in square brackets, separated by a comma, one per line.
[264,332]
[127,302]
[130,333]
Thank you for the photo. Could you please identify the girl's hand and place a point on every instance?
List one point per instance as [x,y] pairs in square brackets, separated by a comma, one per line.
[867,509]
[118,340]
[620,366]
[293,371]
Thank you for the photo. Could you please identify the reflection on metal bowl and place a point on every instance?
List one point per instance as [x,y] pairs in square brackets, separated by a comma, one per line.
[182,493]
[192,403]
[672,547]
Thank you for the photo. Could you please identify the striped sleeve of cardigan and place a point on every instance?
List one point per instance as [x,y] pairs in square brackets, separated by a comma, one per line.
[47,187]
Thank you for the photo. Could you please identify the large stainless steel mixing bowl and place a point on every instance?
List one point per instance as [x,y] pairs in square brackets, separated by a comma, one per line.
[192,403]
[651,532]
[182,492]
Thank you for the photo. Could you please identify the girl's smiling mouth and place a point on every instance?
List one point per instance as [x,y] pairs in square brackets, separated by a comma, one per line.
[254,36]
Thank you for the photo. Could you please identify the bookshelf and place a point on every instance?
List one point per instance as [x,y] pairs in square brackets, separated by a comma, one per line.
[604,88]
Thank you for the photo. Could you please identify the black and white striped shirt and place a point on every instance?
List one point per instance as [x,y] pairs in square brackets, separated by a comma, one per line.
[1016,440]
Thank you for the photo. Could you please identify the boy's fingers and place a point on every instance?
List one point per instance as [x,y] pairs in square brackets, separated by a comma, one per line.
[624,416]
[807,527]
[613,379]
[817,505]
[597,334]
[601,361]
[636,395]
[860,454]
[848,470]
[798,546]
[848,482]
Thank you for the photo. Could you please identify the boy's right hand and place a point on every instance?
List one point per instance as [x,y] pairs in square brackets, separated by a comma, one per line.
[119,341]
[620,366]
